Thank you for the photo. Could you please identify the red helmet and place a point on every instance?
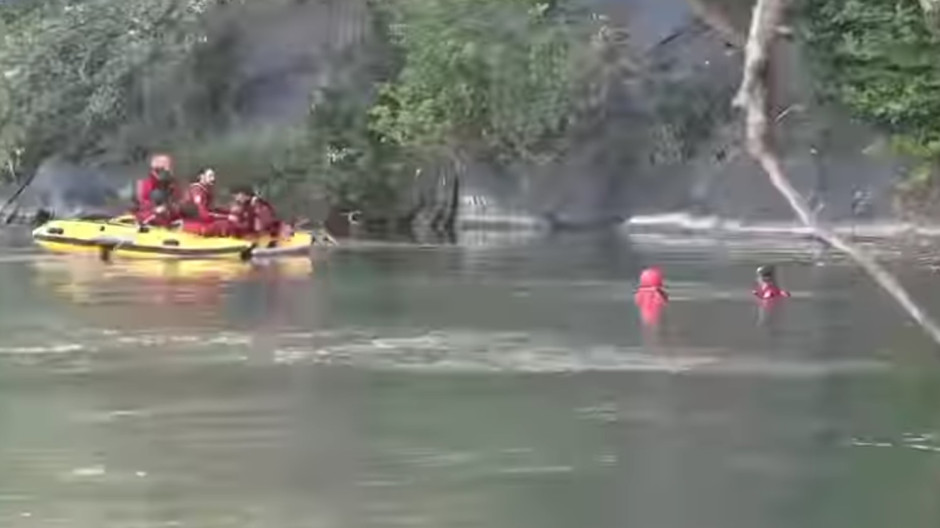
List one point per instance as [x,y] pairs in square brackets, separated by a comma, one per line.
[651,278]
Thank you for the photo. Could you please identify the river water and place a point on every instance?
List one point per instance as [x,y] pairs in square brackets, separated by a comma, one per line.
[499,384]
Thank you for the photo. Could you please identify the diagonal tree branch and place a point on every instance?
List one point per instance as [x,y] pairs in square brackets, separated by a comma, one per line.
[931,10]
[716,18]
[754,97]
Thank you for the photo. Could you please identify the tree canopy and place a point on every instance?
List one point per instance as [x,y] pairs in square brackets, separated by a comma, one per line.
[113,79]
[880,60]
[76,73]
[501,76]
[500,79]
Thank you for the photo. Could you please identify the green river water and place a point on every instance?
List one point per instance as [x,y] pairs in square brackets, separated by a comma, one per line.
[505,385]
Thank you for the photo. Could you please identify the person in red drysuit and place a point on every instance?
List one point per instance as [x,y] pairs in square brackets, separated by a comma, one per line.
[160,177]
[650,297]
[254,216]
[767,289]
[768,295]
[201,217]
[238,219]
[158,212]
[201,195]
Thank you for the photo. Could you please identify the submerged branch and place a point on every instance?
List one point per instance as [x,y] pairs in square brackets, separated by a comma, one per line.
[755,99]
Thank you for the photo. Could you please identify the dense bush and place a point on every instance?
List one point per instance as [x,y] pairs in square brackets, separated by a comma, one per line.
[881,60]
[439,81]
[83,78]
[500,79]
[500,76]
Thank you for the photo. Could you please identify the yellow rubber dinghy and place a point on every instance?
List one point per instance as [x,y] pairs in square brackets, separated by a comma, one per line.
[122,237]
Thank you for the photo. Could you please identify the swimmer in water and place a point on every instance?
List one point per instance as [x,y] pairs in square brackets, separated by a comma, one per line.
[650,296]
[767,288]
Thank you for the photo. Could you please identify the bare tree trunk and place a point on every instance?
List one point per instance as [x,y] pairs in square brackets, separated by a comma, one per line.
[754,97]
[453,206]
[444,208]
[451,196]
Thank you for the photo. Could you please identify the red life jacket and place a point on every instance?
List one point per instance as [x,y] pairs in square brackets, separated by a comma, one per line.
[200,195]
[262,217]
[650,301]
[215,228]
[767,291]
[239,219]
[150,184]
[650,297]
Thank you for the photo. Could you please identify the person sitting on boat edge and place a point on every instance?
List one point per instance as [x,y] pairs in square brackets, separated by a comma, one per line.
[255,216]
[200,215]
[160,177]
[160,211]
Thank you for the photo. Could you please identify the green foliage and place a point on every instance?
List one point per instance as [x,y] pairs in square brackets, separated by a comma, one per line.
[495,76]
[918,192]
[340,157]
[112,80]
[491,78]
[336,155]
[77,72]
[359,168]
[879,59]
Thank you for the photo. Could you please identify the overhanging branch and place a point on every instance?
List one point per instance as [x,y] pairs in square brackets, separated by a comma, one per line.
[754,97]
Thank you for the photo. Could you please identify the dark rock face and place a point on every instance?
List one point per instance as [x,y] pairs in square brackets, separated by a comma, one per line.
[68,189]
[672,143]
[286,49]
[340,222]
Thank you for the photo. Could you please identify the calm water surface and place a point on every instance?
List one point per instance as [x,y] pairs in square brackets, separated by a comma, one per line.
[472,386]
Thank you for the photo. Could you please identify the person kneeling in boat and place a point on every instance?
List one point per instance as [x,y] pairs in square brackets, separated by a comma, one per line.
[254,216]
[159,211]
[159,178]
[200,215]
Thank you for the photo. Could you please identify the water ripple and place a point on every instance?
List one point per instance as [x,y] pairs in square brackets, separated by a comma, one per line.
[438,351]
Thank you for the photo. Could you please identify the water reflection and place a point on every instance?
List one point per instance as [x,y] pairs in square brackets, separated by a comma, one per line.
[167,293]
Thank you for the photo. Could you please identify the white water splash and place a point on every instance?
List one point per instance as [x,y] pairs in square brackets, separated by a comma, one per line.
[916,441]
[88,472]
[493,353]
[689,222]
[63,348]
[452,351]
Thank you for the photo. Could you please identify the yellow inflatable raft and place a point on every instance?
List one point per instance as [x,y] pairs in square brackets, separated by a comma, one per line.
[122,237]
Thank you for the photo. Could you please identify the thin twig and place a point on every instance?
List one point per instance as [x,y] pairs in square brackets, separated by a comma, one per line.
[790,109]
[754,97]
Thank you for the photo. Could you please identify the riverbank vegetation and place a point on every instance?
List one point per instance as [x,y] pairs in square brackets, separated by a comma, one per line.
[435,84]
[879,60]
[430,87]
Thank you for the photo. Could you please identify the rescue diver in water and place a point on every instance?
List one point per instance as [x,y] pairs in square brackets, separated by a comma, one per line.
[767,288]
